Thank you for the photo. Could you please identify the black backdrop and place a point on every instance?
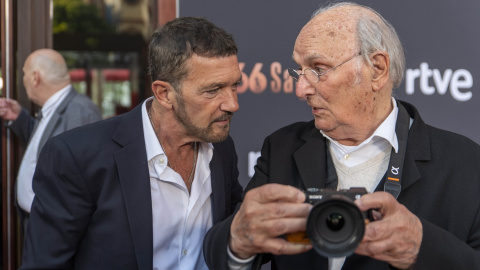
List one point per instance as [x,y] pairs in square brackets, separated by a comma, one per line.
[442,47]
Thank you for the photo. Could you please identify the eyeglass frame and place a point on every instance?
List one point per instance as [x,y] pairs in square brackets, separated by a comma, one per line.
[290,70]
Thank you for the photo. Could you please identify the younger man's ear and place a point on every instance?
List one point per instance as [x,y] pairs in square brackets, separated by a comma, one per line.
[162,91]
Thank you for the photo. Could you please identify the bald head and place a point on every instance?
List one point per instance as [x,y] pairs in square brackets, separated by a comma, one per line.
[50,64]
[362,30]
[45,73]
[330,35]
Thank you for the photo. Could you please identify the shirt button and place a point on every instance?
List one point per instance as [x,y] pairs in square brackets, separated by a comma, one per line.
[346,157]
[161,160]
[184,252]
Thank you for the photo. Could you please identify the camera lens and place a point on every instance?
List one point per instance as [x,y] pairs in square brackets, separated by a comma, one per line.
[335,222]
[335,226]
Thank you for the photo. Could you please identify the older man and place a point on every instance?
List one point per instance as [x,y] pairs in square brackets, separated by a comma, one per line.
[47,83]
[423,181]
[139,191]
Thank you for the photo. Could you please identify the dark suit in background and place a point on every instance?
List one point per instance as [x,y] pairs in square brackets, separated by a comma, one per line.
[93,208]
[47,85]
[74,111]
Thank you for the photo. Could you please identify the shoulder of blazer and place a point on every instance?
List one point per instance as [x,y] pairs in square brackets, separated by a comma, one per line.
[296,132]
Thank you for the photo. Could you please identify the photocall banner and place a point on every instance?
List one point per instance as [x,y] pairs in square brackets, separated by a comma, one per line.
[442,48]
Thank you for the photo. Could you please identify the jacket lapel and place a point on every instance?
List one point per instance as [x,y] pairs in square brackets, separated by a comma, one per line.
[56,117]
[311,160]
[418,148]
[134,180]
[218,188]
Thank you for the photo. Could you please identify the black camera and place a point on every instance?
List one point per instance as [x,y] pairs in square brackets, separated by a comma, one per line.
[335,225]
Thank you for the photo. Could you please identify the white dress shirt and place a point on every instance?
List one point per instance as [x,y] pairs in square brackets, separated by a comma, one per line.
[383,137]
[25,192]
[180,219]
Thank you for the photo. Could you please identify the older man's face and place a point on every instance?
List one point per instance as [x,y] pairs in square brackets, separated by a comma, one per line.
[342,101]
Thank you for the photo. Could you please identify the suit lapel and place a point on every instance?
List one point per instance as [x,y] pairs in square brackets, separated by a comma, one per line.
[134,180]
[411,174]
[311,160]
[56,117]
[418,148]
[218,188]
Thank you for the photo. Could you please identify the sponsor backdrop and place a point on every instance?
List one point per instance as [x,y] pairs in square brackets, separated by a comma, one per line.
[441,47]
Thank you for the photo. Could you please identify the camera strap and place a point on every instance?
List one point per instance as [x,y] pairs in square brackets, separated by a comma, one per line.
[395,167]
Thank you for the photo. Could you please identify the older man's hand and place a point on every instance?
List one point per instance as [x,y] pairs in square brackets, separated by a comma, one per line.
[396,237]
[268,212]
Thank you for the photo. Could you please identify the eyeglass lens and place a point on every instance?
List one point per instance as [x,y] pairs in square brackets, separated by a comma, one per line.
[311,75]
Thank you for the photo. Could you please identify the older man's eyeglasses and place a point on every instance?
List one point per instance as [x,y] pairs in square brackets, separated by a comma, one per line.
[312,75]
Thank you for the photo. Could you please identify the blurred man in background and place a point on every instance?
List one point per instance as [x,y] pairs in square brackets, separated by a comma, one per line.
[47,84]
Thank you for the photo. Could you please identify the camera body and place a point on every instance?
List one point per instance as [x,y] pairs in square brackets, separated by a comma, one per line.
[315,195]
[335,225]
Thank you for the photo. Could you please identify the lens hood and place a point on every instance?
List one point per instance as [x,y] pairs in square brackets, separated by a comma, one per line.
[335,226]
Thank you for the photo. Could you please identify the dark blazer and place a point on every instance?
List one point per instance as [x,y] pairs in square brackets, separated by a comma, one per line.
[75,110]
[93,209]
[440,184]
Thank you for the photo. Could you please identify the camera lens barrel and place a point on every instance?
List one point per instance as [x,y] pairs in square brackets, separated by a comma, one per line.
[335,226]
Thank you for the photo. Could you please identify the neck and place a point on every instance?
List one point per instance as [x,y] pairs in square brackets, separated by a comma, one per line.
[171,138]
[360,132]
[179,152]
